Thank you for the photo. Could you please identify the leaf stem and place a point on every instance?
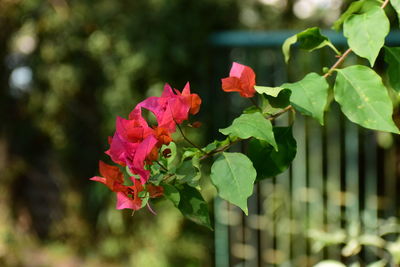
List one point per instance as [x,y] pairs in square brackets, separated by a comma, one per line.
[162,166]
[276,115]
[254,103]
[187,140]
[338,62]
[348,51]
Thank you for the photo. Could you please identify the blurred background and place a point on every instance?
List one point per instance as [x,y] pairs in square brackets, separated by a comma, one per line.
[68,68]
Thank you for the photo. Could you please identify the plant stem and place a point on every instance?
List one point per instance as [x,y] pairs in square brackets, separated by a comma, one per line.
[254,103]
[162,166]
[384,4]
[187,140]
[348,51]
[337,63]
[276,115]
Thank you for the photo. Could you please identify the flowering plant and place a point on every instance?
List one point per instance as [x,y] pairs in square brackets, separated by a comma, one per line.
[149,159]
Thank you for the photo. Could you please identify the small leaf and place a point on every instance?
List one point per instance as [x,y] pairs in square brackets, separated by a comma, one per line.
[172,194]
[396,5]
[189,172]
[309,95]
[392,58]
[269,162]
[286,47]
[193,206]
[251,125]
[354,7]
[233,175]
[364,99]
[272,91]
[309,39]
[359,7]
[366,33]
[280,101]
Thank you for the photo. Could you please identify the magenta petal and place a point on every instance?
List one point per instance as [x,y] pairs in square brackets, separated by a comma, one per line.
[98,179]
[236,70]
[186,89]
[168,92]
[124,202]
[142,151]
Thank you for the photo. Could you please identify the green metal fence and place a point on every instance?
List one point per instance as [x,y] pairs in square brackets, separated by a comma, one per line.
[342,185]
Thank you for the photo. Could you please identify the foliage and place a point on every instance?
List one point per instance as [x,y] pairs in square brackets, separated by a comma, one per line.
[358,89]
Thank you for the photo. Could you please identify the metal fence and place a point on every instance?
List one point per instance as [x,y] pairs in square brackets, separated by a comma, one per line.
[343,183]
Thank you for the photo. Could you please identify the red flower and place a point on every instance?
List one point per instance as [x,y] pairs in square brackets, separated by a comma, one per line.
[127,196]
[241,79]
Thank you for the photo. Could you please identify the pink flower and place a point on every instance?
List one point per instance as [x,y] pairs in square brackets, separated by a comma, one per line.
[171,108]
[241,79]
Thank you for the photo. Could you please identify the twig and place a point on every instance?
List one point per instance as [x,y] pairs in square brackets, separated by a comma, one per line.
[162,166]
[276,115]
[190,142]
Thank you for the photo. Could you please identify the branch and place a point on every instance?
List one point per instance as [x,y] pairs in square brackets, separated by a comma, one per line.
[348,51]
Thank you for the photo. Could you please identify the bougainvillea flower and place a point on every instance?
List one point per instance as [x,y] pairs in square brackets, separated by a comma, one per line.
[130,199]
[133,130]
[193,100]
[171,108]
[111,176]
[132,155]
[241,79]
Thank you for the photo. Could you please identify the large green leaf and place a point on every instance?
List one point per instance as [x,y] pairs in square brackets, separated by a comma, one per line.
[251,125]
[366,33]
[396,5]
[269,162]
[193,206]
[233,174]
[392,58]
[364,99]
[355,7]
[309,95]
[309,39]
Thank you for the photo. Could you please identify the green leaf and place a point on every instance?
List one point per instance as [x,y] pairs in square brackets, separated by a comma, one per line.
[364,99]
[233,175]
[309,39]
[189,172]
[193,206]
[392,58]
[272,91]
[286,47]
[172,194]
[366,33]
[396,5]
[269,162]
[282,100]
[355,7]
[251,125]
[309,95]
[156,179]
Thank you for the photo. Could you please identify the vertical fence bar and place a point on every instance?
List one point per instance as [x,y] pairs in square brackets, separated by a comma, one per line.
[299,195]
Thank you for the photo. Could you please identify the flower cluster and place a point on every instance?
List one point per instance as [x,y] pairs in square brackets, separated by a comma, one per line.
[136,145]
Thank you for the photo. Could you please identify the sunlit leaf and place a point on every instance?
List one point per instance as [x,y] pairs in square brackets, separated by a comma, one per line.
[251,125]
[364,99]
[309,39]
[366,33]
[309,95]
[233,175]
